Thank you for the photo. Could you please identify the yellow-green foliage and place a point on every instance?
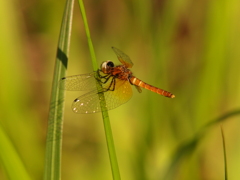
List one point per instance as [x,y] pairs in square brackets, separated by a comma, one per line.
[190,48]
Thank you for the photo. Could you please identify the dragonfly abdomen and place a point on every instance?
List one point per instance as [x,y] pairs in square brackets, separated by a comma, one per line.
[142,84]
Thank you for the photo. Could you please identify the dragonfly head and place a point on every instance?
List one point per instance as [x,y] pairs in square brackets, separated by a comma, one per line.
[107,66]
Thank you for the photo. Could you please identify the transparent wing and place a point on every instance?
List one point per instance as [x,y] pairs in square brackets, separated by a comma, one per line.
[80,82]
[90,102]
[123,58]
[139,89]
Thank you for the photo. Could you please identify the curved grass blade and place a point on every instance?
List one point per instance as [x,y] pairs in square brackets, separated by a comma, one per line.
[187,148]
[106,120]
[10,159]
[13,166]
[55,119]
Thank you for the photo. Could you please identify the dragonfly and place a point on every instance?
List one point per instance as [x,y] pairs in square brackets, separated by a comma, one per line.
[115,82]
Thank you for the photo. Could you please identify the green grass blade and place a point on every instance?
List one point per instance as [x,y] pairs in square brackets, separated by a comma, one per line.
[10,159]
[106,120]
[90,44]
[13,116]
[188,147]
[223,117]
[110,144]
[55,119]
[224,154]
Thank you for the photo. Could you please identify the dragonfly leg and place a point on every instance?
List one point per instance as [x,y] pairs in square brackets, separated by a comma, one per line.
[111,87]
[105,78]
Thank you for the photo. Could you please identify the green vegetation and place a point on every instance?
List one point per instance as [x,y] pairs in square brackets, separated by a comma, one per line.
[53,154]
[188,48]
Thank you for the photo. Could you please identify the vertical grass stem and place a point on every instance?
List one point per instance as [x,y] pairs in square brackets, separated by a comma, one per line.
[106,120]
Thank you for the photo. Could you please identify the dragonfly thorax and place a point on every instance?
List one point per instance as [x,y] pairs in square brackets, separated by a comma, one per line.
[121,72]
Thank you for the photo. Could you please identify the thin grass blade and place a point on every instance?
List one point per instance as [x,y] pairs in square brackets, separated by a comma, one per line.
[13,114]
[55,119]
[224,154]
[10,157]
[187,148]
[106,120]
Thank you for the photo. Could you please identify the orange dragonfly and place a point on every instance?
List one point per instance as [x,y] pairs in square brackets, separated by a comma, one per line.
[115,83]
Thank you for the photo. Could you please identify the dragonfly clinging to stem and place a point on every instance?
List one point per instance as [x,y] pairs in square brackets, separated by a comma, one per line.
[115,81]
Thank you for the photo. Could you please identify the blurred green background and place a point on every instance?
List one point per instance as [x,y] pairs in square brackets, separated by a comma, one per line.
[190,48]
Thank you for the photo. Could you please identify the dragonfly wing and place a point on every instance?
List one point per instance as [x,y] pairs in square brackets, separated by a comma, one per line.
[138,89]
[123,58]
[87,103]
[90,102]
[80,82]
[121,94]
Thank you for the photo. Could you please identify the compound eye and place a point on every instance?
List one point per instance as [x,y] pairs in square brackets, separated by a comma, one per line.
[106,66]
[110,64]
